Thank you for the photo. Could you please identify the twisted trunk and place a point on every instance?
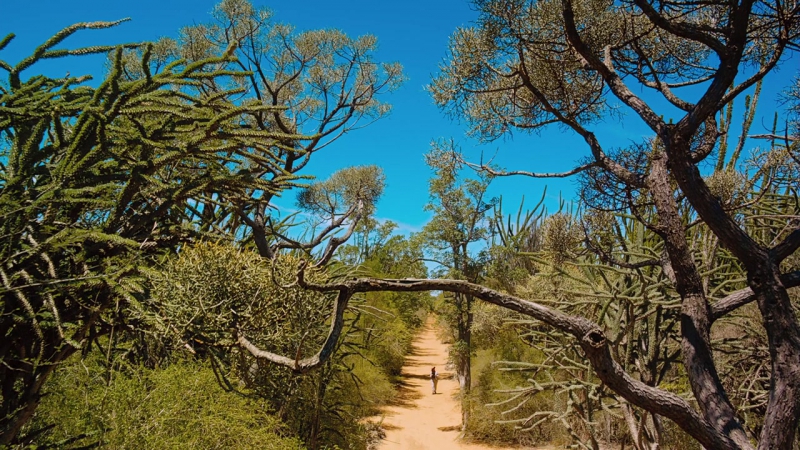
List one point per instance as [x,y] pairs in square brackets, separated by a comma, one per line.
[695,312]
[764,278]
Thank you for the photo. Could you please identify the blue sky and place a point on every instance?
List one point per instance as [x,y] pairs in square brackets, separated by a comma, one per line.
[413,32]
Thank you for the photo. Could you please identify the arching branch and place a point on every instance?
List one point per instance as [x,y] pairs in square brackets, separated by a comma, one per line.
[590,336]
[325,352]
[503,173]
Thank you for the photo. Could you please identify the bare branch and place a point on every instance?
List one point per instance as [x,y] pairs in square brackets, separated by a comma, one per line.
[787,247]
[325,352]
[286,242]
[775,137]
[756,77]
[708,139]
[744,296]
[335,241]
[659,85]
[504,173]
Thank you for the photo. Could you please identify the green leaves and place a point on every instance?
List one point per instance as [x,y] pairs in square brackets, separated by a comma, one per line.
[343,190]
[97,180]
[211,291]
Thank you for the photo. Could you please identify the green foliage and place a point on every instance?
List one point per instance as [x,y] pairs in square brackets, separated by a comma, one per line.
[96,180]
[459,222]
[459,207]
[490,423]
[181,407]
[577,270]
[343,189]
[511,242]
[380,253]
[183,139]
[211,293]
[332,80]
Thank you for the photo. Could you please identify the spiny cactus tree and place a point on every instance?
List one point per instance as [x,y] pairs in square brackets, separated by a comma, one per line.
[96,181]
[93,180]
[634,302]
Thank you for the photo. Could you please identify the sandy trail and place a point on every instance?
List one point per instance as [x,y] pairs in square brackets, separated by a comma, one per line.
[421,420]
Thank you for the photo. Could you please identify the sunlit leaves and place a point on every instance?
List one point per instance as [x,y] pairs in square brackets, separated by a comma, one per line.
[211,291]
[343,190]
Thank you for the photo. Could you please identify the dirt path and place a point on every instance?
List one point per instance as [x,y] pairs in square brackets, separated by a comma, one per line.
[421,420]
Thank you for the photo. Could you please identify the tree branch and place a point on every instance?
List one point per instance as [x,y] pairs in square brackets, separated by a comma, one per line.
[682,29]
[775,137]
[590,336]
[606,70]
[504,173]
[744,296]
[335,241]
[786,248]
[325,352]
[599,155]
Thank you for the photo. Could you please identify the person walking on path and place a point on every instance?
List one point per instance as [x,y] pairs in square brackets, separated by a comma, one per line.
[434,380]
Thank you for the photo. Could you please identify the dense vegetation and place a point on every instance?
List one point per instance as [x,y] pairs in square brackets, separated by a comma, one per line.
[111,195]
[152,293]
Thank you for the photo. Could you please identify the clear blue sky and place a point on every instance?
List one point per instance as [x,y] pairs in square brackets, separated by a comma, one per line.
[412,32]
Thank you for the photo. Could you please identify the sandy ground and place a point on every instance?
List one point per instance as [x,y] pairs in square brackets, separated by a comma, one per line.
[421,420]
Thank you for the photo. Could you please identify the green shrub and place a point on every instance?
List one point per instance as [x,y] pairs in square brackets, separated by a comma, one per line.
[179,407]
[211,289]
[374,388]
[489,424]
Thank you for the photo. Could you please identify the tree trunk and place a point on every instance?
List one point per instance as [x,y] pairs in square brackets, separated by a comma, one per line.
[777,312]
[16,420]
[17,407]
[783,409]
[319,403]
[465,360]
[464,354]
[695,315]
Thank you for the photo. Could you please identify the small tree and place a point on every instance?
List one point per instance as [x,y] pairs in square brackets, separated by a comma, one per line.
[315,86]
[459,220]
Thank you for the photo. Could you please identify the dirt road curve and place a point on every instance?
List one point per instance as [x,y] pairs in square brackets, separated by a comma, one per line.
[421,420]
